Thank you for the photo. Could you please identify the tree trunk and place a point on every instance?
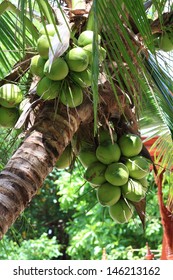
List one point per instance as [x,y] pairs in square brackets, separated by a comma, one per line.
[35,158]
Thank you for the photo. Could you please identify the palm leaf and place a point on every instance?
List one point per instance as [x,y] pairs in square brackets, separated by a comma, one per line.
[164,159]
[46,11]
[25,20]
[157,115]
[162,96]
[13,44]
[119,57]
[136,10]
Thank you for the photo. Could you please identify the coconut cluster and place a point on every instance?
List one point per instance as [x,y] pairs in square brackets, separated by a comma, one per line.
[66,79]
[117,171]
[11,97]
[68,75]
[115,168]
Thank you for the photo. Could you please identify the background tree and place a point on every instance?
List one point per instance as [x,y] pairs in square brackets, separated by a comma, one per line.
[66,209]
[130,70]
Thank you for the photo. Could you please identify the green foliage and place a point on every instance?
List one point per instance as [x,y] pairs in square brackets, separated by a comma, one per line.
[66,209]
[18,37]
[42,248]
[9,141]
[91,229]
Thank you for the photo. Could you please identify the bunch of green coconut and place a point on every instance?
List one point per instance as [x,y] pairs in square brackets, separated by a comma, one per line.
[117,171]
[11,98]
[69,74]
[115,168]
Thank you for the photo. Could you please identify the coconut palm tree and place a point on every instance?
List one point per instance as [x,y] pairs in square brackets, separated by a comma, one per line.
[130,90]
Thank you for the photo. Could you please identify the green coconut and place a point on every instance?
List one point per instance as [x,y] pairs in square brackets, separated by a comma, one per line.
[102,54]
[138,167]
[43,45]
[94,174]
[83,78]
[108,153]
[130,145]
[117,174]
[87,157]
[89,51]
[48,89]
[37,65]
[144,182]
[86,37]
[10,95]
[50,28]
[122,211]
[58,71]
[166,42]
[105,137]
[71,95]
[77,59]
[8,117]
[108,194]
[65,159]
[133,190]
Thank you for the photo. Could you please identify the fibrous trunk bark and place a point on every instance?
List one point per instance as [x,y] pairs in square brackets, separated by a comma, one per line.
[35,158]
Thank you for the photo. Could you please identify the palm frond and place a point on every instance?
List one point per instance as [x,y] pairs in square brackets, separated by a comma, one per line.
[24,19]
[162,96]
[118,48]
[157,114]
[163,158]
[136,10]
[15,41]
[46,11]
[150,121]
